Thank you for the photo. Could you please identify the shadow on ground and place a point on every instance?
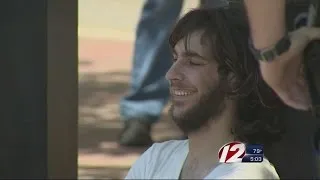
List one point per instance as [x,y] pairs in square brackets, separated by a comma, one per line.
[99,89]
[102,172]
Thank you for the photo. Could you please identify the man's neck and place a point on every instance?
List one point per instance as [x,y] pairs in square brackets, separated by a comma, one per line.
[204,144]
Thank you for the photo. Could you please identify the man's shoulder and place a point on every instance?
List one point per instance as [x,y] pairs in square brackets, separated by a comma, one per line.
[170,146]
[157,159]
[164,150]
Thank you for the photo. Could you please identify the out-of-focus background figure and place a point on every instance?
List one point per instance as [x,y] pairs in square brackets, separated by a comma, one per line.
[149,91]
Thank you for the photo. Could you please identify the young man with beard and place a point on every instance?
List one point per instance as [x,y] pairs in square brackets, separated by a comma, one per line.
[218,96]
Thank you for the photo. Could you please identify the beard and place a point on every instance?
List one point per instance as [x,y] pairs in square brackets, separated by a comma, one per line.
[209,106]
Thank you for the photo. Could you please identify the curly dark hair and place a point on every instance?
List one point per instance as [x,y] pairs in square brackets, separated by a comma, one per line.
[258,107]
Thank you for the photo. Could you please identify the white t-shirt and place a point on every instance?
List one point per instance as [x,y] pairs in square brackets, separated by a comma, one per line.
[165,161]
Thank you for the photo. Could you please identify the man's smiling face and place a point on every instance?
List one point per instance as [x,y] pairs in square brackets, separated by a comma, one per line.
[194,83]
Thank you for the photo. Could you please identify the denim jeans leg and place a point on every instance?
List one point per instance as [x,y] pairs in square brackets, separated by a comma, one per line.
[151,60]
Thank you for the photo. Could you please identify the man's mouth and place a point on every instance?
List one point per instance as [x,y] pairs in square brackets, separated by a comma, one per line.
[181,92]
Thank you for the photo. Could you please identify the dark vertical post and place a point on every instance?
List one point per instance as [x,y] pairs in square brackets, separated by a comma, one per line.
[38,75]
[62,88]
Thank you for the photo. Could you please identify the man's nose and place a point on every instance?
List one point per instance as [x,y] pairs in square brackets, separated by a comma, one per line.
[175,72]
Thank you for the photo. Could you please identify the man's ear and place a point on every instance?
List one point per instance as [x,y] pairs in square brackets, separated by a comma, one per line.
[233,83]
[230,82]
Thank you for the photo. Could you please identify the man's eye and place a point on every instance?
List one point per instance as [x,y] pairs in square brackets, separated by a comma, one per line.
[194,63]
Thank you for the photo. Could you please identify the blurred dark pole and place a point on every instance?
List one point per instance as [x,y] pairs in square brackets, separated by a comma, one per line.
[38,72]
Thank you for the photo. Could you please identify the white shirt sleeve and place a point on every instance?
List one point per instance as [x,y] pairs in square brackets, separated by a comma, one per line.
[139,170]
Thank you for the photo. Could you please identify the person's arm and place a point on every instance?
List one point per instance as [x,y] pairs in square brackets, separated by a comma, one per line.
[267,25]
[266,20]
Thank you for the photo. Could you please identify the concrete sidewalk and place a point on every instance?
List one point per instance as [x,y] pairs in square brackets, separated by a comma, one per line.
[106,33]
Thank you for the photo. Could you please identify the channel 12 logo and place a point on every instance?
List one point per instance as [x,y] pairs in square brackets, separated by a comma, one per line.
[239,152]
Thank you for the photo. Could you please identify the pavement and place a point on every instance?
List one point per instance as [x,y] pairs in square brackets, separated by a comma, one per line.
[106,34]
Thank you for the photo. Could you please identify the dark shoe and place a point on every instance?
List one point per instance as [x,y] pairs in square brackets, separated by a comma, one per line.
[136,133]
[184,138]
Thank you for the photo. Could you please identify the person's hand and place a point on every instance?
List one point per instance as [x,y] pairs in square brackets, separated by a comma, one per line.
[285,73]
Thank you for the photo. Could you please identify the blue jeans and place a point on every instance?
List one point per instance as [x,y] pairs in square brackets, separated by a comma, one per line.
[149,91]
